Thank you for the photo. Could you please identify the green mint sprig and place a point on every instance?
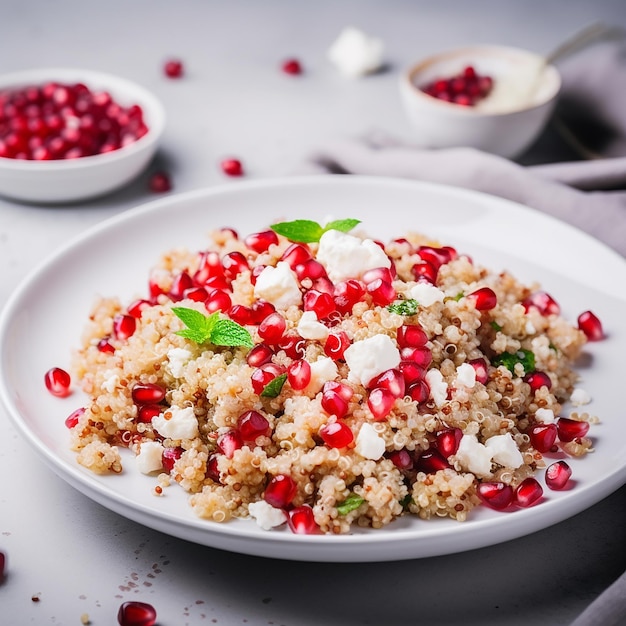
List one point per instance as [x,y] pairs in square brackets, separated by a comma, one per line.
[308,231]
[211,329]
[351,503]
[404,307]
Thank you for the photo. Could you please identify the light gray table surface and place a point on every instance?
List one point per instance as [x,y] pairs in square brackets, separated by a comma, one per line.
[79,558]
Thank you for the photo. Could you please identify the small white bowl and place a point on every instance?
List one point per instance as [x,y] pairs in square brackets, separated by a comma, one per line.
[507,129]
[70,180]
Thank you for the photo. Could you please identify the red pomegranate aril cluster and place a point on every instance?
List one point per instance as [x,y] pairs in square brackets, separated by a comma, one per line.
[542,302]
[466,88]
[136,614]
[64,121]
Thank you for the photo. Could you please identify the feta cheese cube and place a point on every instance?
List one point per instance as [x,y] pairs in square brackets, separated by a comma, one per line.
[369,443]
[310,328]
[466,375]
[474,456]
[355,53]
[370,357]
[149,457]
[426,294]
[345,256]
[177,358]
[504,450]
[111,381]
[176,423]
[278,285]
[580,396]
[266,515]
[322,371]
[438,386]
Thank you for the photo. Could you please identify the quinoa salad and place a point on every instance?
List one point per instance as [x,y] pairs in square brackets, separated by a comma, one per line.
[315,379]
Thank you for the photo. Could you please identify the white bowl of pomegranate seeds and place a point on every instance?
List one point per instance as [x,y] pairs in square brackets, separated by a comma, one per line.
[493,98]
[71,134]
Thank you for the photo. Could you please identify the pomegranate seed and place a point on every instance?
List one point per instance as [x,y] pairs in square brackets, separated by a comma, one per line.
[261,241]
[136,614]
[217,300]
[181,283]
[301,520]
[160,182]
[411,372]
[137,307]
[542,302]
[346,294]
[591,326]
[264,375]
[293,345]
[448,440]
[558,475]
[336,435]
[333,403]
[173,68]
[272,328]
[292,66]
[252,425]
[322,303]
[466,88]
[299,374]
[212,470]
[543,437]
[72,419]
[234,263]
[419,391]
[296,254]
[146,412]
[431,461]
[104,345]
[148,393]
[240,314]
[528,492]
[311,269]
[425,271]
[169,457]
[484,299]
[259,355]
[345,391]
[411,336]
[537,380]
[482,370]
[58,382]
[209,266]
[381,291]
[261,309]
[436,256]
[382,273]
[422,356]
[402,459]
[228,442]
[197,294]
[124,326]
[380,402]
[280,491]
[232,167]
[392,380]
[570,429]
[324,285]
[336,344]
[496,494]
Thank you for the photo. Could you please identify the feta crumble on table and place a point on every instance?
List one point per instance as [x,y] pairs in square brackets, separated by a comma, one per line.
[355,53]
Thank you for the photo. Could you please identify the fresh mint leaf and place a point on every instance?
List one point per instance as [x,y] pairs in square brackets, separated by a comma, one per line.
[351,503]
[404,307]
[211,329]
[495,325]
[274,387]
[509,360]
[308,231]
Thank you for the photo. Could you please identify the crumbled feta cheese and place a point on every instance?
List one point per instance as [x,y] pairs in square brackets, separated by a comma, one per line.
[310,328]
[182,423]
[278,285]
[426,294]
[466,375]
[474,456]
[266,515]
[177,358]
[530,328]
[149,457]
[504,450]
[438,386]
[356,53]
[111,382]
[322,371]
[345,256]
[370,357]
[580,396]
[545,416]
[369,443]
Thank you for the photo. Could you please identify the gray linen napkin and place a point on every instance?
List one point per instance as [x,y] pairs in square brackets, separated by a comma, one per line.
[589,194]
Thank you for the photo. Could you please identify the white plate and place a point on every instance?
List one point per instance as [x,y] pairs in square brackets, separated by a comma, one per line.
[42,322]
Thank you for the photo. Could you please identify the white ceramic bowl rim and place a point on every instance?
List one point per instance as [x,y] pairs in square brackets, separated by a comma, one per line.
[475,51]
[119,87]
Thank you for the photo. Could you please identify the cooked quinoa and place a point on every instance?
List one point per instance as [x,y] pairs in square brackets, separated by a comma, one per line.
[405,376]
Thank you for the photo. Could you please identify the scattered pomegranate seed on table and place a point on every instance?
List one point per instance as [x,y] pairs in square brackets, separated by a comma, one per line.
[58,382]
[160,182]
[466,88]
[292,66]
[173,68]
[591,326]
[558,475]
[232,167]
[136,614]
